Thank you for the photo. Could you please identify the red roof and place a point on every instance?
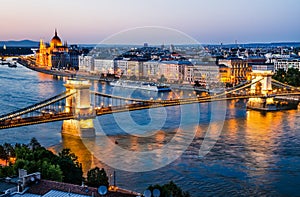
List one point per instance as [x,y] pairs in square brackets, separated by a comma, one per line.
[44,186]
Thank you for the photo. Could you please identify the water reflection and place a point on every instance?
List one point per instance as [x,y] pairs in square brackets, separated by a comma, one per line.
[257,154]
[76,145]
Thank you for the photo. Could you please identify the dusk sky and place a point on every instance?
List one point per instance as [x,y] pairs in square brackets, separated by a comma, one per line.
[208,21]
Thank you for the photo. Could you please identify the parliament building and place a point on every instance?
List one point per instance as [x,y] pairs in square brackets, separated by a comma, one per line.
[56,54]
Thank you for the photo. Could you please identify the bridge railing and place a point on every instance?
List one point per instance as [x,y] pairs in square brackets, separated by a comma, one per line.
[35,106]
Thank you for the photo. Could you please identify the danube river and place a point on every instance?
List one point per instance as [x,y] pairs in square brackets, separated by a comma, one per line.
[254,154]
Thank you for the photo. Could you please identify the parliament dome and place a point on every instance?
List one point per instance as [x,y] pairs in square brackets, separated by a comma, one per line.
[56,41]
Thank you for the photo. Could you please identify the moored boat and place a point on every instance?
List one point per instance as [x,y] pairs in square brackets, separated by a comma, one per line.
[12,65]
[150,86]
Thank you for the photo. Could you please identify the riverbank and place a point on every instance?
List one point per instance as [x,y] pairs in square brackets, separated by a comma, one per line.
[60,73]
[84,75]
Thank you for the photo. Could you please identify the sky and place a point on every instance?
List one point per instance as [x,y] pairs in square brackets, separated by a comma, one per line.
[206,21]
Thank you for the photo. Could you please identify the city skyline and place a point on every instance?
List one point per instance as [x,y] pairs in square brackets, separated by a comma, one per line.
[206,21]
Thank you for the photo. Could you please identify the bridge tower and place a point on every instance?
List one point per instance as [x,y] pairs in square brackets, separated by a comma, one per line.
[262,75]
[80,105]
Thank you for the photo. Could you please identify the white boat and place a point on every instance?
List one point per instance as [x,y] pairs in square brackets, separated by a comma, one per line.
[151,86]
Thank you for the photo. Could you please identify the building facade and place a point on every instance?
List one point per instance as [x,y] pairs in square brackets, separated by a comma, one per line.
[56,55]
[285,64]
[86,63]
[239,69]
[104,66]
[206,73]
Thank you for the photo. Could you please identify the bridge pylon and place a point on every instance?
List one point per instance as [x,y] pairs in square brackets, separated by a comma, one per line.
[262,75]
[80,105]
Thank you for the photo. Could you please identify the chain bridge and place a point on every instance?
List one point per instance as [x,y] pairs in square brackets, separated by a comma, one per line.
[78,105]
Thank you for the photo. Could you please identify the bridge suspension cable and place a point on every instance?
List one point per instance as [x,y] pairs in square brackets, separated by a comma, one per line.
[36,106]
[236,89]
[283,84]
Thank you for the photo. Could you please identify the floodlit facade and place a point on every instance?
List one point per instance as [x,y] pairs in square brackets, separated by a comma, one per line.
[239,69]
[104,66]
[57,55]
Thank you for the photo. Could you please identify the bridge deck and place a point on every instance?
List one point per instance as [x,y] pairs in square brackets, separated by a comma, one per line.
[137,104]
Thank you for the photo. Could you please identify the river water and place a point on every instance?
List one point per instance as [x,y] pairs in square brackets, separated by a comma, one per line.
[254,154]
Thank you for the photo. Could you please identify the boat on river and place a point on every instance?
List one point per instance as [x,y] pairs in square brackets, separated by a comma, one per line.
[12,65]
[150,86]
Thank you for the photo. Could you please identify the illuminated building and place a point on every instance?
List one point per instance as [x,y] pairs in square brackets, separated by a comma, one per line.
[287,63]
[204,72]
[57,55]
[239,70]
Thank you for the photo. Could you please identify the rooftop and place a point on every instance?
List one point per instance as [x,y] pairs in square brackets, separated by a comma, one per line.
[47,188]
[6,185]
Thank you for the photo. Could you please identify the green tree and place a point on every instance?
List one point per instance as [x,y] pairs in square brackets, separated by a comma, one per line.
[34,144]
[169,189]
[3,154]
[51,172]
[37,158]
[97,177]
[279,75]
[70,166]
[291,76]
[6,171]
[33,157]
[7,151]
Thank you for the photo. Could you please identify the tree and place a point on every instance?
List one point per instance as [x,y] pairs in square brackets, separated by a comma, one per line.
[279,75]
[51,171]
[3,154]
[291,76]
[70,166]
[6,171]
[7,151]
[34,144]
[97,177]
[33,157]
[170,189]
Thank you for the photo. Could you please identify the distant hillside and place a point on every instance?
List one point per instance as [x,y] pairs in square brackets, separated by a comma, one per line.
[20,43]
[261,45]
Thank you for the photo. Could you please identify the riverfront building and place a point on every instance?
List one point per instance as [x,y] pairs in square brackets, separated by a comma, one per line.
[206,73]
[235,70]
[56,55]
[287,63]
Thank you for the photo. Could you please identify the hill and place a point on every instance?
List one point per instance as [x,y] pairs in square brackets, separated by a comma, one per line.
[19,43]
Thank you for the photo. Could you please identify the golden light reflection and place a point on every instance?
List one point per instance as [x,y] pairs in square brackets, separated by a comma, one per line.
[85,157]
[262,130]
[134,144]
[44,77]
[233,128]
[160,137]
[86,124]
